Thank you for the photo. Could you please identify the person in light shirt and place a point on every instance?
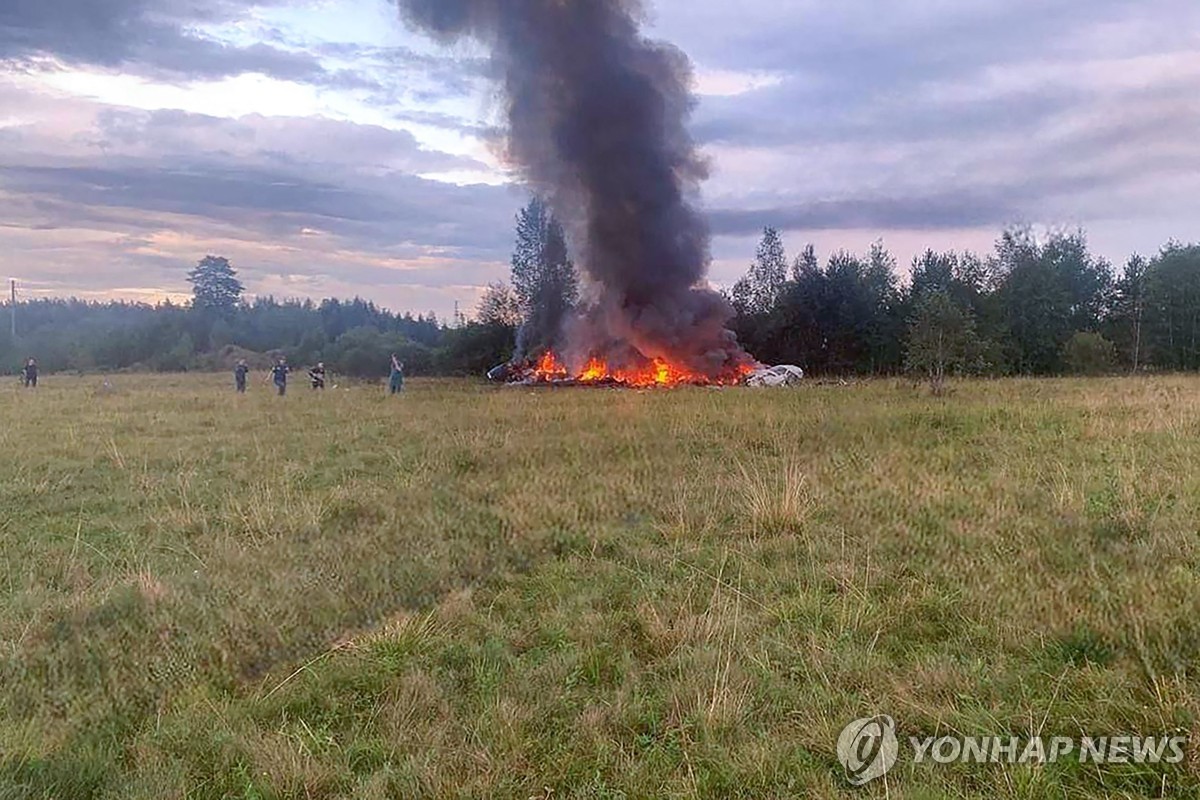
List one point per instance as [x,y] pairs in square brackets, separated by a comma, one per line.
[396,380]
[29,373]
[279,374]
[239,376]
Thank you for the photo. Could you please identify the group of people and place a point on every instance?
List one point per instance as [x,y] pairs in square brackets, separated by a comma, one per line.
[316,376]
[278,374]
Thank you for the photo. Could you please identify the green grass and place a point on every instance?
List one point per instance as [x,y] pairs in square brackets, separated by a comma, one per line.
[472,591]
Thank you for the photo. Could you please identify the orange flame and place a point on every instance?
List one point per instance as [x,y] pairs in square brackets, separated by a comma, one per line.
[549,368]
[657,372]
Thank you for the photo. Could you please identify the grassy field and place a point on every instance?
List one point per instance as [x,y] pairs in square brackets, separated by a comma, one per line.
[471,591]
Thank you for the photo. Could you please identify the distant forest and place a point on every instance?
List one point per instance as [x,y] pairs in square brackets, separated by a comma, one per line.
[1033,306]
[353,337]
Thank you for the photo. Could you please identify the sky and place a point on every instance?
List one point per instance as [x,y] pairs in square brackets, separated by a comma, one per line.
[327,151]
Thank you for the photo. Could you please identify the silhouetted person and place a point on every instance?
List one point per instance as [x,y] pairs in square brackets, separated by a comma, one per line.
[279,374]
[396,380]
[29,373]
[239,375]
[317,375]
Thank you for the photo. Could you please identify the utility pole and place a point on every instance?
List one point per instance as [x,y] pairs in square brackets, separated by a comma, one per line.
[13,287]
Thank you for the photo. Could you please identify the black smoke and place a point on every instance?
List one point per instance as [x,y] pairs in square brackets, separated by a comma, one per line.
[597,124]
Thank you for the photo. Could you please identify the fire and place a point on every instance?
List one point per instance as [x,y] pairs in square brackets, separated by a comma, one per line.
[549,368]
[595,370]
[655,372]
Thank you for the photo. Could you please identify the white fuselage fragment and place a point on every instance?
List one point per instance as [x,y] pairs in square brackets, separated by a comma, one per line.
[781,375]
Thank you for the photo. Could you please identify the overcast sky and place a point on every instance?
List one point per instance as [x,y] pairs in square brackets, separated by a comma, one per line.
[327,151]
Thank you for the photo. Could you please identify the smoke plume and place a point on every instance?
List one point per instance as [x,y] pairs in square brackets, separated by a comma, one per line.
[597,125]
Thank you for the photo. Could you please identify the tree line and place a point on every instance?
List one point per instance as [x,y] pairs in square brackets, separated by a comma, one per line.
[354,338]
[1034,306]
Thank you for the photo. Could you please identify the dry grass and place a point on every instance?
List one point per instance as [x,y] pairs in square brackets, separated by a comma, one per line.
[471,592]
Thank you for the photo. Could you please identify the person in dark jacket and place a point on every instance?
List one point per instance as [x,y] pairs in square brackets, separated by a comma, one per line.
[279,374]
[30,373]
[239,376]
[317,375]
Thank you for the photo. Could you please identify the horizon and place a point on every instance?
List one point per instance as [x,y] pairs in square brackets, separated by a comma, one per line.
[903,272]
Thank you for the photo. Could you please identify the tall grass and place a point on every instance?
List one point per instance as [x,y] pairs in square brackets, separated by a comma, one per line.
[478,592]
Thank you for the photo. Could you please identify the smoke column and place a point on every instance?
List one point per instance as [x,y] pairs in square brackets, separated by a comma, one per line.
[597,125]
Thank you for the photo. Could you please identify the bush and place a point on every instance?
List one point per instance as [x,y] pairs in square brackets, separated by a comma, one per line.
[367,353]
[1089,354]
[476,348]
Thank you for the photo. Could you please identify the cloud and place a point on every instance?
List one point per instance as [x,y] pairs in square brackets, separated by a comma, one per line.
[280,141]
[357,180]
[930,115]
[151,36]
[882,214]
[91,193]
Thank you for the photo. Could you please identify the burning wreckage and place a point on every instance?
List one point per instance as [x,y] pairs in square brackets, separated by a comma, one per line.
[596,118]
[549,371]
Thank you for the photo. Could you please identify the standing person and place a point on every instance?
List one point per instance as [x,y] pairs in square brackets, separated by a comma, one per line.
[239,375]
[396,381]
[317,375]
[30,373]
[279,374]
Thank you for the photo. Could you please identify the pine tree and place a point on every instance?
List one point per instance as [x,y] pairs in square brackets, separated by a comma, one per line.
[885,326]
[215,286]
[528,254]
[543,277]
[806,264]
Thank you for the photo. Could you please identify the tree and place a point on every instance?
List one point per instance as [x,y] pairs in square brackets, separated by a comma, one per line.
[215,286]
[763,285]
[1088,353]
[367,353]
[475,348]
[179,357]
[499,306]
[543,277]
[529,251]
[846,313]
[966,279]
[1046,292]
[885,326]
[933,272]
[792,333]
[221,335]
[806,264]
[1125,323]
[741,297]
[846,318]
[941,339]
[1172,322]
[1087,279]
